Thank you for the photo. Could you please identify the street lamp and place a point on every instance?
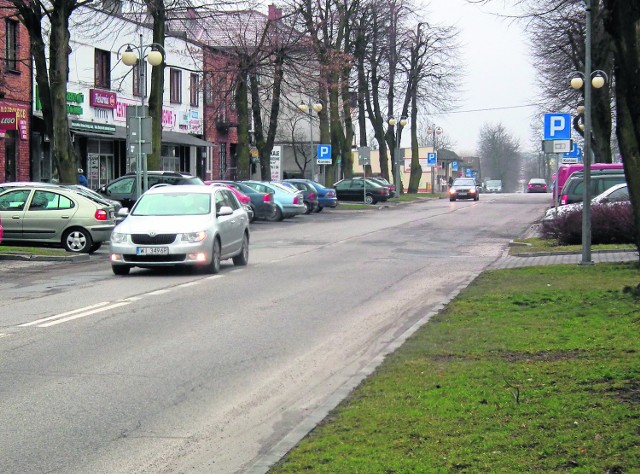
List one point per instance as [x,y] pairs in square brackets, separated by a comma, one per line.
[396,151]
[154,54]
[597,80]
[434,132]
[307,108]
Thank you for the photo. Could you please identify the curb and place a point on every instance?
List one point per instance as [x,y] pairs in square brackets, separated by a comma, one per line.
[45,258]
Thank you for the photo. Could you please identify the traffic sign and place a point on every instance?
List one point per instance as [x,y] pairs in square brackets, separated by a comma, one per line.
[576,152]
[324,155]
[454,166]
[432,159]
[557,126]
[364,155]
[467,172]
[557,146]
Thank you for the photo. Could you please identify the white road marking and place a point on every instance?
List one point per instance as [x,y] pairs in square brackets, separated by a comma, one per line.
[82,315]
[4,335]
[61,315]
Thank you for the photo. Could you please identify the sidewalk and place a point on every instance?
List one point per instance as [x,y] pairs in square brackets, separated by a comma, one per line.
[507,261]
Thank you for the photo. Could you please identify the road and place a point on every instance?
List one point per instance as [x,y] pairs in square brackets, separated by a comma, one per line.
[170,371]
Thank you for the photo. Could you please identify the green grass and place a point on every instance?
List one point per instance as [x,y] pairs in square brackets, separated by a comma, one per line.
[537,245]
[527,370]
[4,249]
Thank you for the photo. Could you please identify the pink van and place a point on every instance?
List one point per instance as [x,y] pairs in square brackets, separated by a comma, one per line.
[564,171]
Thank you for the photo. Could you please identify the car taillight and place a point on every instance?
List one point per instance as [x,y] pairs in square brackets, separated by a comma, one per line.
[384,191]
[530,186]
[564,199]
[295,200]
[101,215]
[246,200]
[312,196]
[331,194]
[267,198]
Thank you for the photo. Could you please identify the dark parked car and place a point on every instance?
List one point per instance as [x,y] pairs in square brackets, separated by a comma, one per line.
[124,188]
[309,192]
[358,189]
[263,204]
[326,196]
[464,188]
[537,185]
[573,189]
[384,182]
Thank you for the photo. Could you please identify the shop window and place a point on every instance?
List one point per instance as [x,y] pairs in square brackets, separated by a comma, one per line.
[195,90]
[175,80]
[102,69]
[11,45]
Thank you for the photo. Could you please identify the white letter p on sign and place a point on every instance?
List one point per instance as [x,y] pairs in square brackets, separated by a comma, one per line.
[557,125]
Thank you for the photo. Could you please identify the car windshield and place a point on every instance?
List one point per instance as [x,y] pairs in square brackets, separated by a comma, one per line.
[173,204]
[464,182]
[494,182]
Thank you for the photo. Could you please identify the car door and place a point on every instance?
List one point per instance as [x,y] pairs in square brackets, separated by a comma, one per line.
[227,225]
[123,190]
[345,191]
[47,216]
[13,204]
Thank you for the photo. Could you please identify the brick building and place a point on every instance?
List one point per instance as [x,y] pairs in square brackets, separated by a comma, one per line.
[15,98]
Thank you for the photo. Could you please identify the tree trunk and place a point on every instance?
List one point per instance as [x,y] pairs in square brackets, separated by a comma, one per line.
[622,21]
[158,12]
[242,108]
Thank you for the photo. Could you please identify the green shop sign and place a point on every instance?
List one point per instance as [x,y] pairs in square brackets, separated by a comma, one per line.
[73,99]
[93,127]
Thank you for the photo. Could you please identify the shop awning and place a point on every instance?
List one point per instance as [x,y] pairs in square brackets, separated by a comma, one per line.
[120,134]
[183,139]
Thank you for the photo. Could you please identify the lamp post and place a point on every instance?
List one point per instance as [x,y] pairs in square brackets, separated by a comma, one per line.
[307,108]
[154,54]
[434,131]
[395,152]
[597,79]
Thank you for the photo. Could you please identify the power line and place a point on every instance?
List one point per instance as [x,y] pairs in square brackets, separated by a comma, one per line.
[485,110]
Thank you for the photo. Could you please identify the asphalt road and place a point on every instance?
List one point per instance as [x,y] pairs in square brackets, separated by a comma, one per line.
[170,371]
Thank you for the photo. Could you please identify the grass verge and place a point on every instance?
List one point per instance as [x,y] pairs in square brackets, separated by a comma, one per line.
[537,245]
[527,370]
[8,249]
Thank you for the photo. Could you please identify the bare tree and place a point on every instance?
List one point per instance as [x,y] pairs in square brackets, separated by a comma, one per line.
[499,155]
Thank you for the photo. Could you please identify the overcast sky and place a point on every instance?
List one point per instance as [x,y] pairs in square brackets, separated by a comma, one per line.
[499,85]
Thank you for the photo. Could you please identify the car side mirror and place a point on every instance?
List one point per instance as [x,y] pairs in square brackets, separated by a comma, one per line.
[103,190]
[225,211]
[123,212]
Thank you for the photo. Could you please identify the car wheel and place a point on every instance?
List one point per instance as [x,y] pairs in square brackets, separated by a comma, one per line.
[452,199]
[319,208]
[95,247]
[253,214]
[477,198]
[214,265]
[120,269]
[277,215]
[243,257]
[307,207]
[77,240]
[369,199]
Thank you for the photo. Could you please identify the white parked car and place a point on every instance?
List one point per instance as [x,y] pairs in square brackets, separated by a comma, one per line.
[191,225]
[615,194]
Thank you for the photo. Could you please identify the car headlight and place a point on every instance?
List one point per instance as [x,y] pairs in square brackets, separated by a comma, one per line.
[118,238]
[194,236]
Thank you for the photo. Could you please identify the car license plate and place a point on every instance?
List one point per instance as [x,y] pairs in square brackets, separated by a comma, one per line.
[152,250]
[462,193]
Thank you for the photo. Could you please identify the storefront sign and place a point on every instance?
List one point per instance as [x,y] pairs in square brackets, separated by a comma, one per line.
[73,98]
[276,161]
[22,126]
[8,121]
[93,127]
[100,98]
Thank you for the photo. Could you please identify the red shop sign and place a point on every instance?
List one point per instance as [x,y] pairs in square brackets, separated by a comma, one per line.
[8,121]
[105,99]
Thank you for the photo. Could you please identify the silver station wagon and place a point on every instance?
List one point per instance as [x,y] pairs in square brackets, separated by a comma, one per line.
[190,225]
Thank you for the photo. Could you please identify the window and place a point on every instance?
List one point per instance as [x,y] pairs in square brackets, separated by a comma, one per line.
[11,42]
[175,80]
[195,90]
[103,69]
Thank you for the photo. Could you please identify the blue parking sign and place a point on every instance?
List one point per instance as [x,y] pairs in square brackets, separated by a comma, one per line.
[557,126]
[432,159]
[454,166]
[324,155]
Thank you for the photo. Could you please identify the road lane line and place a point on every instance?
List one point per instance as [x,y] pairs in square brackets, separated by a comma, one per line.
[62,315]
[159,292]
[82,315]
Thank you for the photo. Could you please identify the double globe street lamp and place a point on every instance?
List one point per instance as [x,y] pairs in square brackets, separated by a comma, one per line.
[154,54]
[588,79]
[395,153]
[307,108]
